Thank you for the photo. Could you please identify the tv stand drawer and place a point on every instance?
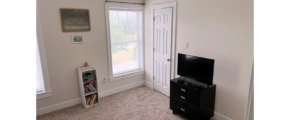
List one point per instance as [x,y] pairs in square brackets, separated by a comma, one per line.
[184,93]
[184,109]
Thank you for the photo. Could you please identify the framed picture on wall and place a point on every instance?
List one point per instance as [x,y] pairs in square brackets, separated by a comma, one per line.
[77,39]
[73,20]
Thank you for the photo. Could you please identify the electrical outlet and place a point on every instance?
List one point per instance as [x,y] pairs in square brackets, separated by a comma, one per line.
[104,80]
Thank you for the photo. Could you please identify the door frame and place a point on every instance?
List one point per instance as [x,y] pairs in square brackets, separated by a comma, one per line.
[250,106]
[160,6]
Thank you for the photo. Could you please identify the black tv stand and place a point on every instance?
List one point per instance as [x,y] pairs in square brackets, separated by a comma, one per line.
[181,77]
[191,82]
[192,99]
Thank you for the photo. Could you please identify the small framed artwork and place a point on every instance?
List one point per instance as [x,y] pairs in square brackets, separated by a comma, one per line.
[77,39]
[73,20]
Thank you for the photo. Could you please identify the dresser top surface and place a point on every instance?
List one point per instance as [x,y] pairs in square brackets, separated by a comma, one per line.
[191,83]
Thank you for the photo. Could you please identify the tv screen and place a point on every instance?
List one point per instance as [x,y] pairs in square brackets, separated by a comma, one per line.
[197,68]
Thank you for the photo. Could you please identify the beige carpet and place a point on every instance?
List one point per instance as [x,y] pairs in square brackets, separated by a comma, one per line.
[141,103]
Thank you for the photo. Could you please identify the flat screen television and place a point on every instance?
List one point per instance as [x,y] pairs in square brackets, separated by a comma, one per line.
[197,68]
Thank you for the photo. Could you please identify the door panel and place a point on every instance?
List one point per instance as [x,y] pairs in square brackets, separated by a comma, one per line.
[162,49]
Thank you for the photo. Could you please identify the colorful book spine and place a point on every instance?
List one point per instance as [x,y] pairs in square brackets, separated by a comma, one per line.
[95,100]
[87,100]
[92,99]
[95,97]
[89,81]
[92,87]
[87,89]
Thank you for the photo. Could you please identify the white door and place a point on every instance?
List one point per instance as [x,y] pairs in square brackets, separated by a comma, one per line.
[162,49]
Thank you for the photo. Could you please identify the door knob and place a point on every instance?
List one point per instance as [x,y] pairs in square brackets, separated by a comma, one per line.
[168,59]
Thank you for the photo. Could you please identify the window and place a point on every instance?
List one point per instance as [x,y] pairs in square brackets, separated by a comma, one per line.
[125,40]
[42,79]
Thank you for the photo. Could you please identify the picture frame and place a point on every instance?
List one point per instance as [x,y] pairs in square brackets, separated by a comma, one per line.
[77,39]
[75,20]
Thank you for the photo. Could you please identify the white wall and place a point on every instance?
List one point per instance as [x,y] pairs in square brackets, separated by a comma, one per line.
[217,29]
[63,57]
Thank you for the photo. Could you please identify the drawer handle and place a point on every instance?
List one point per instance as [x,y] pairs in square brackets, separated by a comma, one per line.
[182,109]
[182,90]
[182,97]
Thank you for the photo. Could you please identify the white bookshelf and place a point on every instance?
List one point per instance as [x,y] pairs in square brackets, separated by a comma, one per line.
[81,72]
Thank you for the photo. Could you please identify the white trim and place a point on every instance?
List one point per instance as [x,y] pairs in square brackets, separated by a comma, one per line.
[250,97]
[126,75]
[218,116]
[160,6]
[148,84]
[76,101]
[43,95]
[122,6]
[58,106]
[42,56]
[121,88]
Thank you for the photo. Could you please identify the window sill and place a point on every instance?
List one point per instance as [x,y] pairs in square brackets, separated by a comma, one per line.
[126,75]
[43,95]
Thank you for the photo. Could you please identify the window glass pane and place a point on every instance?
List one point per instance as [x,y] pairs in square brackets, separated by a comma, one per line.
[131,31]
[124,57]
[113,18]
[39,76]
[114,33]
[123,25]
[132,18]
[123,15]
[123,35]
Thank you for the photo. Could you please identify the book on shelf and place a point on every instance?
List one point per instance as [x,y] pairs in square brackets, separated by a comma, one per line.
[89,81]
[87,100]
[92,97]
[95,97]
[92,87]
[85,90]
[95,100]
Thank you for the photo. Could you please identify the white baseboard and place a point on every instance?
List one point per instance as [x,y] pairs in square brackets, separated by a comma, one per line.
[73,102]
[58,106]
[218,116]
[121,88]
[148,84]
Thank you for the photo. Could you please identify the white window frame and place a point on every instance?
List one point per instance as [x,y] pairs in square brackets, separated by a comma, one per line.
[129,7]
[46,84]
